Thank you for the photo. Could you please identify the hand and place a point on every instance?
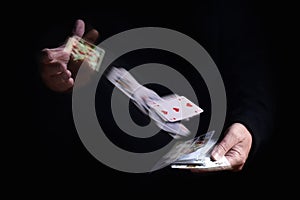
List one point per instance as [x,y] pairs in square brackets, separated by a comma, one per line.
[235,146]
[57,71]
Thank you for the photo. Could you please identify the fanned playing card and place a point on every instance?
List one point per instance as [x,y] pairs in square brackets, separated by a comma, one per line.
[198,155]
[175,108]
[165,111]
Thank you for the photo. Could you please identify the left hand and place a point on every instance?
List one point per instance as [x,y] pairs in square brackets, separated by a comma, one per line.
[57,70]
[235,146]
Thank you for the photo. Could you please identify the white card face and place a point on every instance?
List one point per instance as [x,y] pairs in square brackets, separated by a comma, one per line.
[175,108]
[83,50]
[176,130]
[206,164]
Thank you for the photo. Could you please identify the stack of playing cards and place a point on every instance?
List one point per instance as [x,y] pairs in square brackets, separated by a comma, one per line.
[204,164]
[81,50]
[166,111]
[193,154]
[198,155]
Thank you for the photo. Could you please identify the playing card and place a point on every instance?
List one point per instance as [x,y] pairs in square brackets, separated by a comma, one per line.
[198,155]
[142,96]
[176,130]
[123,80]
[205,164]
[177,150]
[200,148]
[81,50]
[174,108]
[149,102]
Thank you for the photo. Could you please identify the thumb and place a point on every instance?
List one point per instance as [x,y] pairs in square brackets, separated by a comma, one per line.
[223,147]
[91,36]
[79,28]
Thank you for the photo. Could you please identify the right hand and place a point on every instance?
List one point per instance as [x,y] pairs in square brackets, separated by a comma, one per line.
[57,72]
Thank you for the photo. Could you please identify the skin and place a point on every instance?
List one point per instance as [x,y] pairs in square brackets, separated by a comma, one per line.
[57,71]
[235,146]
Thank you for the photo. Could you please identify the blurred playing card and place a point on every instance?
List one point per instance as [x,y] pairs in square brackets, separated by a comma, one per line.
[198,156]
[178,149]
[142,96]
[150,103]
[193,151]
[200,148]
[81,50]
[123,80]
[176,129]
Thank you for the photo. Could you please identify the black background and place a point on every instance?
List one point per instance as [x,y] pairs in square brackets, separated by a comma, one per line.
[270,169]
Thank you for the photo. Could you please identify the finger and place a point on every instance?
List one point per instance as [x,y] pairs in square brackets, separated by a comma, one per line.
[60,55]
[223,147]
[79,28]
[64,75]
[58,84]
[68,83]
[54,68]
[91,36]
[63,83]
[235,160]
[48,55]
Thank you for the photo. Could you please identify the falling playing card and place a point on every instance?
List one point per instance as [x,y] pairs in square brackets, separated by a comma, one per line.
[174,108]
[176,130]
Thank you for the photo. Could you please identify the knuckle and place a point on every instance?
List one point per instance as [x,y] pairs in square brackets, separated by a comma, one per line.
[223,146]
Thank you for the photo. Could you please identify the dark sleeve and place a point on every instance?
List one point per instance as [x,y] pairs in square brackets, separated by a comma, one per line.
[247,71]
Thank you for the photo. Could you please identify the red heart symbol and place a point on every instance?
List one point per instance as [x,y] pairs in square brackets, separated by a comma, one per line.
[176,109]
[189,105]
[165,112]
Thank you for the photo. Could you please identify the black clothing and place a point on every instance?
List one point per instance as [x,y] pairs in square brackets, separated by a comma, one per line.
[231,34]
